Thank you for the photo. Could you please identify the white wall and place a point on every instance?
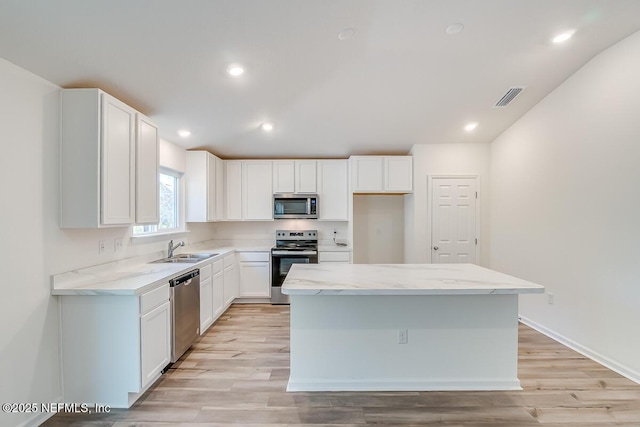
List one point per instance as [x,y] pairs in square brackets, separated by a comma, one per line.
[444,159]
[33,248]
[378,229]
[173,156]
[29,350]
[566,207]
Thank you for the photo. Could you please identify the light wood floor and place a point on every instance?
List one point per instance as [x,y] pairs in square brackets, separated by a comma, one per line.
[237,374]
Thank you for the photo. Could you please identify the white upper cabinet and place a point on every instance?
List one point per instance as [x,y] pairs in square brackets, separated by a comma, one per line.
[333,190]
[147,160]
[248,190]
[294,176]
[283,176]
[382,174]
[366,173]
[257,196]
[204,187]
[117,162]
[305,176]
[233,189]
[398,174]
[98,185]
[219,178]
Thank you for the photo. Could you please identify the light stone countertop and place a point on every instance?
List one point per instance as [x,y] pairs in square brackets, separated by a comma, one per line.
[135,276]
[402,279]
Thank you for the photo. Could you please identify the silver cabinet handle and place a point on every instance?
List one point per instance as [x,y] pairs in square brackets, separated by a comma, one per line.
[435,248]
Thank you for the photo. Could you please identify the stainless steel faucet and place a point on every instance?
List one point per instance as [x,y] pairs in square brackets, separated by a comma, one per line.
[173,248]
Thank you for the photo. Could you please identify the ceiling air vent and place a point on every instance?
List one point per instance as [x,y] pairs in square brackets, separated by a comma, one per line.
[509,96]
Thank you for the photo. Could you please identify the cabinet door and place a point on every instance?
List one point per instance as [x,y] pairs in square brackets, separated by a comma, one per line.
[283,176]
[206,304]
[147,160]
[254,279]
[230,291]
[398,173]
[305,176]
[257,190]
[367,174]
[220,214]
[195,178]
[218,294]
[155,335]
[117,170]
[233,189]
[333,190]
[211,187]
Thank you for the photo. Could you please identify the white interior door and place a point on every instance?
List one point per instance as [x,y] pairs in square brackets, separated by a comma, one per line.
[453,220]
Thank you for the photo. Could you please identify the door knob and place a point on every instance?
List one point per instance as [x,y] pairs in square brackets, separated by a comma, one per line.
[435,248]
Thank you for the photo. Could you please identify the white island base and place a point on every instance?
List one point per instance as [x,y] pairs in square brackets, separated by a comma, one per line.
[347,339]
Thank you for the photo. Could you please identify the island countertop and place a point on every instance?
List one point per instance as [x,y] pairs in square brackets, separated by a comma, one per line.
[402,279]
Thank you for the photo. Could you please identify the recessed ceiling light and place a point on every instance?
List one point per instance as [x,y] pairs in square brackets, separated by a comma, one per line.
[184,133]
[454,29]
[561,38]
[346,34]
[235,70]
[470,127]
[267,127]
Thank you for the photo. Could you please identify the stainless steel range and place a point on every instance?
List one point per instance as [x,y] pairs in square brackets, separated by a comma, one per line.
[292,247]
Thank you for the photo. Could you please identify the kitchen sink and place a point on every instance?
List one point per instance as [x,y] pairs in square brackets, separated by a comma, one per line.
[184,258]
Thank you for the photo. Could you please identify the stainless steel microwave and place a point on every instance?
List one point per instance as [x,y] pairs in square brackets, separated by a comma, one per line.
[295,206]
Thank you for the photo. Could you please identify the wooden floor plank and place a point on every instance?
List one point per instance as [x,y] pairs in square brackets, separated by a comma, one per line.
[236,375]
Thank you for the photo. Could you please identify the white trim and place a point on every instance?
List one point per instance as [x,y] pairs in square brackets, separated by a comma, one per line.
[585,351]
[399,384]
[146,238]
[39,418]
[430,179]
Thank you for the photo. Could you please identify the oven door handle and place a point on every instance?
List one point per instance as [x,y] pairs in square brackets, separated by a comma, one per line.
[294,253]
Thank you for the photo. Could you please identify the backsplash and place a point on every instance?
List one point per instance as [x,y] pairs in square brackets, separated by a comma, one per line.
[266,230]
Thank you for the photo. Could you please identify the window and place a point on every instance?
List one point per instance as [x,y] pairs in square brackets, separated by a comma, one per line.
[169,182]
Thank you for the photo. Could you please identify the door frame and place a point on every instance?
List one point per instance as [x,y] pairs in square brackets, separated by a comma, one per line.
[430,179]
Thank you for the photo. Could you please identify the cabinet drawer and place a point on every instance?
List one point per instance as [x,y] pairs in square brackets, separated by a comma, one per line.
[205,272]
[253,256]
[229,260]
[217,266]
[334,256]
[153,299]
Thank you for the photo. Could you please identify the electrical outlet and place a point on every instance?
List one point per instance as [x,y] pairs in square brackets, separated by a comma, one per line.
[403,336]
[549,298]
[101,247]
[117,245]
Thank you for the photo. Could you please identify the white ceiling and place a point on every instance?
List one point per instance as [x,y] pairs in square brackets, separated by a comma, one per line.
[401,80]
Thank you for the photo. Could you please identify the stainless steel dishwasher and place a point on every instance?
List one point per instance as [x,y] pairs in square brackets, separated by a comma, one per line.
[185,312]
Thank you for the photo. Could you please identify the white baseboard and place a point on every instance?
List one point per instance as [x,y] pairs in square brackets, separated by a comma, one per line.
[401,385]
[585,351]
[39,418]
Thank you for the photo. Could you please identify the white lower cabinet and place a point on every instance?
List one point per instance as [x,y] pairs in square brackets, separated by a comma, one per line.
[206,304]
[212,290]
[218,294]
[330,257]
[230,280]
[114,346]
[155,335]
[255,275]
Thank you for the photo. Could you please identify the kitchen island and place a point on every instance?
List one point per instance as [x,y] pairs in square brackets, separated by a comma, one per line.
[395,327]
